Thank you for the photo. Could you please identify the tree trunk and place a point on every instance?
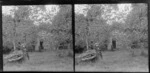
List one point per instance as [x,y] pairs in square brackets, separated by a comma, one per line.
[87,45]
[87,34]
[110,44]
[25,37]
[14,35]
[37,45]
[14,45]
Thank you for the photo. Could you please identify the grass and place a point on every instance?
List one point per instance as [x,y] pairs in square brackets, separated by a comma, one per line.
[42,61]
[120,61]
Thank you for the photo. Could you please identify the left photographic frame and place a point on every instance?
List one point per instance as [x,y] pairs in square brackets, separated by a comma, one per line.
[37,37]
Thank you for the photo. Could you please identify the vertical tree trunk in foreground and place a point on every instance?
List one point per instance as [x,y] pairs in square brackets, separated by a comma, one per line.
[87,45]
[14,35]
[109,44]
[14,45]
[87,34]
[37,45]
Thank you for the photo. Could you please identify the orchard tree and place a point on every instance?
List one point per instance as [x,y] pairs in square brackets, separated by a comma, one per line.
[42,17]
[62,24]
[21,23]
[138,26]
[115,16]
[83,22]
[18,16]
[101,20]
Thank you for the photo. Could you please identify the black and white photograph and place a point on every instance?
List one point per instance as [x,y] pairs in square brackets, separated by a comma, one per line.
[111,37]
[37,37]
[74,36]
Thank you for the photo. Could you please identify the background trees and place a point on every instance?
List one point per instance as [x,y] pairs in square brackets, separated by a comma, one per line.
[126,23]
[50,24]
[13,24]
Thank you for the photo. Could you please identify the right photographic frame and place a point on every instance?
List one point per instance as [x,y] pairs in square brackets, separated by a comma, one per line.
[111,37]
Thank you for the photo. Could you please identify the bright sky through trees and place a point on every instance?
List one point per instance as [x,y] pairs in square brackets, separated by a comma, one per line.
[37,14]
[7,10]
[110,14]
[82,9]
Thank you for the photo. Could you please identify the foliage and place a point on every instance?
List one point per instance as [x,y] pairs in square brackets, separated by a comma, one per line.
[104,21]
[62,25]
[137,25]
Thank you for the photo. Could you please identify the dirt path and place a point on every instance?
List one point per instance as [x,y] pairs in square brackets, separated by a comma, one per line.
[116,61]
[45,61]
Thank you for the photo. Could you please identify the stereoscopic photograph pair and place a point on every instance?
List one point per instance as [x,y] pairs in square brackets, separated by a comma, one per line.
[75,37]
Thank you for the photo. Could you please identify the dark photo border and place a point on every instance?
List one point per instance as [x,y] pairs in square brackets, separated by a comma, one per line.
[70,2]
